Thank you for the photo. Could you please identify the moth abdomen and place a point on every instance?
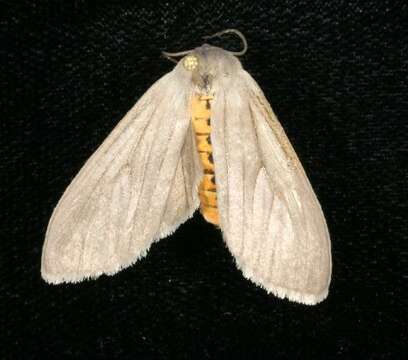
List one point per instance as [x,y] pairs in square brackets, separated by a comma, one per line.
[201,118]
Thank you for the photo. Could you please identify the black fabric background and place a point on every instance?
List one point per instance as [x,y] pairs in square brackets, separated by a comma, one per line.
[335,73]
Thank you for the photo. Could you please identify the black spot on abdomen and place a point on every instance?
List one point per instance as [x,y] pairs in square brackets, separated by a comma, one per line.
[210,158]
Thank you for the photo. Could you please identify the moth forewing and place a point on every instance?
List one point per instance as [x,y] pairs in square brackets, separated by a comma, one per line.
[86,236]
[271,219]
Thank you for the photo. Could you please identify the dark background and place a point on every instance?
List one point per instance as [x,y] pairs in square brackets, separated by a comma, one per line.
[335,73]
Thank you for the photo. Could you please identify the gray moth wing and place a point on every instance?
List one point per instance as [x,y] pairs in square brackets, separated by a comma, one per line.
[138,187]
[270,217]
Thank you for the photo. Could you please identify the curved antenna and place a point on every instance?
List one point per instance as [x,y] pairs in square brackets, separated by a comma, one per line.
[231,31]
[172,55]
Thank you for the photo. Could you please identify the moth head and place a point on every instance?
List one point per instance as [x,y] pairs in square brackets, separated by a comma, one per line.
[208,64]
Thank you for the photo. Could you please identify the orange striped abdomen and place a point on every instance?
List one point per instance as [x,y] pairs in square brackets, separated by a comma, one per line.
[201,118]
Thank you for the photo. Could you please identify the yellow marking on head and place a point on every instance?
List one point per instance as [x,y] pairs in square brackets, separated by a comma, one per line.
[190,62]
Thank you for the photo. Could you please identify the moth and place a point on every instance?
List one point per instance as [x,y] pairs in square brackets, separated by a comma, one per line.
[202,137]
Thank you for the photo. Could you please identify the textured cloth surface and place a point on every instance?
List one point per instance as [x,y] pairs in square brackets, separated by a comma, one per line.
[335,73]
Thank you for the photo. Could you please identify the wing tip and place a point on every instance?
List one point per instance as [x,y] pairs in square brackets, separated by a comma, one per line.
[58,277]
[302,298]
[285,293]
[66,278]
[52,274]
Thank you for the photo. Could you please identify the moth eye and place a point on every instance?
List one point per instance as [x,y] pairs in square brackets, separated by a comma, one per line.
[190,62]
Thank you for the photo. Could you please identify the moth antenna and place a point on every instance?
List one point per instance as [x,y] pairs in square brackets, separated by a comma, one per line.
[171,55]
[231,31]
